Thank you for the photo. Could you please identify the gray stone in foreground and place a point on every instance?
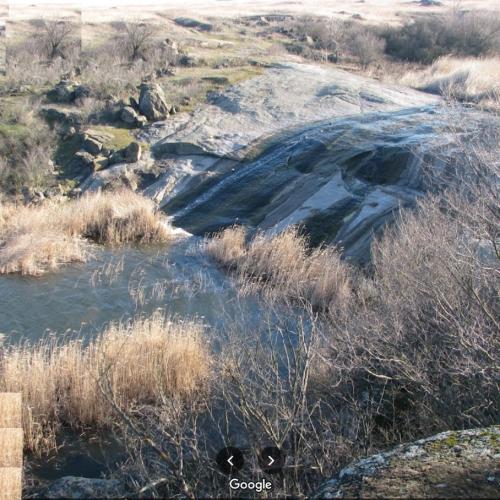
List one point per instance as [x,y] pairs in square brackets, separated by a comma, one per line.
[152,102]
[83,487]
[453,464]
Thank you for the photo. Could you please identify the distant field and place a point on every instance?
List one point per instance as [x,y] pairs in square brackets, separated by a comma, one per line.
[387,11]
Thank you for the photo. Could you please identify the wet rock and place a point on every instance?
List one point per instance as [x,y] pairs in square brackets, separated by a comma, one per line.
[82,487]
[428,468]
[152,102]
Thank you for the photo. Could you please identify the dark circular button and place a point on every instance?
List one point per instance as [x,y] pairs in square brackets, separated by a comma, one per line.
[271,460]
[230,460]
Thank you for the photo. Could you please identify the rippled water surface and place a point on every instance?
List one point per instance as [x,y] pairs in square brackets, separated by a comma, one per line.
[79,299]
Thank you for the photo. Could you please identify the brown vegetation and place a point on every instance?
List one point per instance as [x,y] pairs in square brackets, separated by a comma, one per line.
[465,79]
[36,239]
[142,361]
[284,265]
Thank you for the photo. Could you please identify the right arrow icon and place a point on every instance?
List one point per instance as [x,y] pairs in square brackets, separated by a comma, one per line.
[271,460]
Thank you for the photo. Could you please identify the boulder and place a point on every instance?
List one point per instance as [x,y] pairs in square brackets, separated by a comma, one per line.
[82,159]
[63,116]
[99,163]
[132,153]
[133,103]
[92,145]
[63,92]
[152,102]
[67,91]
[190,61]
[454,464]
[81,91]
[141,121]
[128,115]
[83,487]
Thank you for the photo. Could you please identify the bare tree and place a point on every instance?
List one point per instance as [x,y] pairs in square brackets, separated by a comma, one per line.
[139,38]
[56,38]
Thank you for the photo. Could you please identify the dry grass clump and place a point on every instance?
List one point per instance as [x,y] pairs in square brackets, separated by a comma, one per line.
[115,218]
[141,362]
[36,239]
[284,265]
[468,79]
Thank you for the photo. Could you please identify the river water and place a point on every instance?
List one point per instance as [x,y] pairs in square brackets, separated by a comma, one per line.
[117,284]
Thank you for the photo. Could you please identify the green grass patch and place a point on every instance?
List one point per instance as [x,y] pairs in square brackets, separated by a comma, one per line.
[119,138]
[14,131]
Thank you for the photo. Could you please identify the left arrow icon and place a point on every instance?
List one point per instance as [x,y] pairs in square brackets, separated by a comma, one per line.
[230,460]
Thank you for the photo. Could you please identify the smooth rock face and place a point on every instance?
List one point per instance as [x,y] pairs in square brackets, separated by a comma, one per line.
[152,102]
[455,464]
[82,487]
[337,153]
[300,144]
[283,97]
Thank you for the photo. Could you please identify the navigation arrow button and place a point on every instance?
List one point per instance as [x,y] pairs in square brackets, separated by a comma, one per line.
[271,460]
[230,460]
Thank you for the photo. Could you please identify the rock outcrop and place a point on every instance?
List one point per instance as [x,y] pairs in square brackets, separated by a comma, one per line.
[152,102]
[130,116]
[67,91]
[455,464]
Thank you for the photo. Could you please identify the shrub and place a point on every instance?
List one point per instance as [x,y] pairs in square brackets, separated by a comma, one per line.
[458,33]
[57,38]
[336,39]
[142,361]
[366,47]
[26,147]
